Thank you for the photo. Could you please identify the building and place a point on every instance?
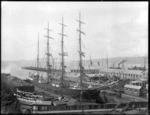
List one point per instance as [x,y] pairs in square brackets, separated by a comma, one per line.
[122,73]
[145,74]
[140,82]
[133,90]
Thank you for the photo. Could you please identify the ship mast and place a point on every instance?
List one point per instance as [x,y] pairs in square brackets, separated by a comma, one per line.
[48,55]
[107,60]
[62,54]
[38,58]
[80,55]
[144,63]
[91,63]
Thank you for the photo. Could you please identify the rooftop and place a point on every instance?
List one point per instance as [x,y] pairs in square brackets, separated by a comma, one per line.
[134,82]
[142,79]
[132,86]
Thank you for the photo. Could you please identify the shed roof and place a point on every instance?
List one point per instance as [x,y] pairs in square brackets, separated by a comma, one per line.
[93,75]
[142,79]
[134,81]
[132,86]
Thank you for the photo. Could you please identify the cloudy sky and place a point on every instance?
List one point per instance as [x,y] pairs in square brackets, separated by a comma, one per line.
[118,28]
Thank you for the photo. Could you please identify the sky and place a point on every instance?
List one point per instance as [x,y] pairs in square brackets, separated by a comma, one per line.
[117,29]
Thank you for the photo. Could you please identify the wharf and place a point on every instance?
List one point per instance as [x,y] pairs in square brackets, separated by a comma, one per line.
[127,98]
[135,98]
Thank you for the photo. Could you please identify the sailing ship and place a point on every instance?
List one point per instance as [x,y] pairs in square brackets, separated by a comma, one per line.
[82,91]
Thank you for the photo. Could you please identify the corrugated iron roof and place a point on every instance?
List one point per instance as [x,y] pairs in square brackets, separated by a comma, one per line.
[134,82]
[132,86]
[142,79]
[93,75]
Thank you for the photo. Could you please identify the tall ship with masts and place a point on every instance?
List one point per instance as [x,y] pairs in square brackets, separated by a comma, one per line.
[82,91]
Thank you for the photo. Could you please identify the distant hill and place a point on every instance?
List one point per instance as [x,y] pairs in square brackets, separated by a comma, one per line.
[131,61]
[14,67]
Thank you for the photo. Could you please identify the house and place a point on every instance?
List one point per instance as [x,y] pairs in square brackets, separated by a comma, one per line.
[143,81]
[140,82]
[133,90]
[145,74]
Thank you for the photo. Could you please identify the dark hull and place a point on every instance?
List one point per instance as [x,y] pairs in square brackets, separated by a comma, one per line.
[57,90]
[89,94]
[74,93]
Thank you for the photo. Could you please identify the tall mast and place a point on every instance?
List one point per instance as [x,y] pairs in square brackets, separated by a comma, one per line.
[90,62]
[48,55]
[38,57]
[144,63]
[80,55]
[107,59]
[62,52]
[53,67]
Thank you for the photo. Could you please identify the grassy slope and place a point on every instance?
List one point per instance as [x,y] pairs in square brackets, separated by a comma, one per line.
[9,103]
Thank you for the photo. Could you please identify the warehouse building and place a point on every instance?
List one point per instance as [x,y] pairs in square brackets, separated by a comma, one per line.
[133,90]
[121,73]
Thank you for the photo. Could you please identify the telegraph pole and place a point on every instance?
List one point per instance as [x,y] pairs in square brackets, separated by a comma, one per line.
[48,55]
[80,55]
[62,54]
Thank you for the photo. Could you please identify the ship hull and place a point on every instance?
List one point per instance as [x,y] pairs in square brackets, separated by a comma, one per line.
[91,94]
[88,94]
[63,91]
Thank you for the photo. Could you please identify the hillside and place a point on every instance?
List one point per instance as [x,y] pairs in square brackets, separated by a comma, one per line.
[9,103]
